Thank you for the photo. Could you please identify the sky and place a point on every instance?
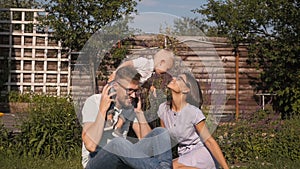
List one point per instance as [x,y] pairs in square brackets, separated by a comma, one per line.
[180,8]
[153,14]
[156,15]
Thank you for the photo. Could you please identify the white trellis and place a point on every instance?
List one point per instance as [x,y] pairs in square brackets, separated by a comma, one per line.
[36,62]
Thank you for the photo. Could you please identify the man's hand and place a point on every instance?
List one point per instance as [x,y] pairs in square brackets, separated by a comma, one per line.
[138,109]
[141,128]
[111,77]
[106,98]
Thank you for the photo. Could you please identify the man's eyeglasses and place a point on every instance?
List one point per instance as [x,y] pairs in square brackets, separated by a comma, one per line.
[129,91]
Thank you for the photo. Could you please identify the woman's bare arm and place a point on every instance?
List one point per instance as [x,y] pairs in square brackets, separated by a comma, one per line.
[211,144]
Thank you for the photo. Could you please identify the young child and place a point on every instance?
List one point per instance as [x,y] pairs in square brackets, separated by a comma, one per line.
[161,62]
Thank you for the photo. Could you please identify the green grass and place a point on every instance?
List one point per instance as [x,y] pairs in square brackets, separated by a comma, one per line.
[273,164]
[75,163]
[10,162]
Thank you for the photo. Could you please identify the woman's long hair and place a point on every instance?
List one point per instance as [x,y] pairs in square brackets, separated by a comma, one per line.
[194,97]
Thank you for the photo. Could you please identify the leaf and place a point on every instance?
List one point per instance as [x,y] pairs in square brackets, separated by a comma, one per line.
[41,143]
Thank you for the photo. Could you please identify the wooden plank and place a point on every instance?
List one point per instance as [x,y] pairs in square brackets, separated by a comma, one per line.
[58,69]
[25,34]
[30,71]
[29,47]
[22,9]
[35,84]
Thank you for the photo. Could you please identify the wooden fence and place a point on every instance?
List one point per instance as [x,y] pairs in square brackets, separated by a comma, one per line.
[31,60]
[200,55]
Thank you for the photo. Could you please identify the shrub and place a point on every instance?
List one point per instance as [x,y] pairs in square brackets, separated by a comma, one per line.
[6,140]
[264,137]
[286,141]
[287,101]
[3,137]
[15,96]
[51,129]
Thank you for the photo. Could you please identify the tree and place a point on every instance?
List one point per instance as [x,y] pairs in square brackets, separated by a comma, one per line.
[73,22]
[271,28]
[18,4]
[189,26]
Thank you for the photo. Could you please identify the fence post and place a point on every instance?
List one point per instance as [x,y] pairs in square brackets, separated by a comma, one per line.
[237,108]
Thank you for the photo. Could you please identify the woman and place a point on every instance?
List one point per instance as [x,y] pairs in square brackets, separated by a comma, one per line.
[186,124]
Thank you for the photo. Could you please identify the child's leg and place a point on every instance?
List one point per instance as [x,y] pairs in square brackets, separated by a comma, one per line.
[118,130]
[124,120]
[109,124]
[109,116]
[120,122]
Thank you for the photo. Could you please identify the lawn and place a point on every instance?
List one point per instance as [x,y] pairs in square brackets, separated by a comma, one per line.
[75,163]
[9,162]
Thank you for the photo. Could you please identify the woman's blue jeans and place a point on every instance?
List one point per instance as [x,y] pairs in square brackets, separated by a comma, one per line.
[152,152]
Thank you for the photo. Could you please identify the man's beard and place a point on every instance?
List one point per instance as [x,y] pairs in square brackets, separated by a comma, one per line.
[126,105]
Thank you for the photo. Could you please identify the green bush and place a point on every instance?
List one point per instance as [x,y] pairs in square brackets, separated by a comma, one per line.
[51,129]
[3,137]
[15,96]
[264,137]
[286,141]
[287,101]
[6,141]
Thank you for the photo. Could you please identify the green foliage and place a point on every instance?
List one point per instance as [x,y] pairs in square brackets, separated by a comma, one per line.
[6,141]
[271,30]
[262,138]
[189,27]
[19,3]
[288,101]
[51,130]
[290,145]
[4,137]
[16,96]
[75,22]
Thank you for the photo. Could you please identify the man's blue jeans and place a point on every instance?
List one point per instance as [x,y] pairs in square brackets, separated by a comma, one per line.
[152,152]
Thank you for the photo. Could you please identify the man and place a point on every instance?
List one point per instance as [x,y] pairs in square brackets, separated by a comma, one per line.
[100,148]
